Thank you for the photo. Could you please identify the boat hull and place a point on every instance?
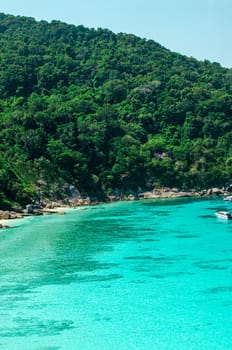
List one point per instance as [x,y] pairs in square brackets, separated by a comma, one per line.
[223,215]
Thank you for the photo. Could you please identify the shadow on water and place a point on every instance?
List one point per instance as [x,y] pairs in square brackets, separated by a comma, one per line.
[219,290]
[33,326]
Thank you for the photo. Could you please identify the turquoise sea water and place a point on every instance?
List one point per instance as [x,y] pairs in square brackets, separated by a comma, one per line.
[154,275]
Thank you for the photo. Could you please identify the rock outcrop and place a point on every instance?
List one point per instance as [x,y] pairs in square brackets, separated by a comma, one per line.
[73,198]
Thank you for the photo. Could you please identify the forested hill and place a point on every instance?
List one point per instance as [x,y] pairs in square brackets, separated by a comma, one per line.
[106,112]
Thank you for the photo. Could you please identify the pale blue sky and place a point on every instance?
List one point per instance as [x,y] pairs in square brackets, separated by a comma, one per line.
[198,28]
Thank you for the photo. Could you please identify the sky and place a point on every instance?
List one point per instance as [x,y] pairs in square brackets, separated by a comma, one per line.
[197,28]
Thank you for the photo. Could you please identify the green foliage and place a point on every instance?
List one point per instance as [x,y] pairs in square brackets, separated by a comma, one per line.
[106,112]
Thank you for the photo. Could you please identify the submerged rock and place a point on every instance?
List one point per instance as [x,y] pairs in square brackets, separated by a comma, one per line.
[4,226]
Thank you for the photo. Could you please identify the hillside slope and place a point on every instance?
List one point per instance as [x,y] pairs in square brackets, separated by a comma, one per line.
[104,112]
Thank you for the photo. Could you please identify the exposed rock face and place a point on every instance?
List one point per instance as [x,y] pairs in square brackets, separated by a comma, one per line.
[72,191]
[29,209]
[17,209]
[176,193]
[6,215]
[217,191]
[132,197]
[168,193]
[51,205]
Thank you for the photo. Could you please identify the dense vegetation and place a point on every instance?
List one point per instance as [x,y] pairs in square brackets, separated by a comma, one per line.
[106,112]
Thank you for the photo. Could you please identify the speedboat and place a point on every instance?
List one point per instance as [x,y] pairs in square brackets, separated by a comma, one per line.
[228,198]
[223,215]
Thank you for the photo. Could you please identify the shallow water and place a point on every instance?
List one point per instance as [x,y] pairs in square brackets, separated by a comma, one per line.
[153,275]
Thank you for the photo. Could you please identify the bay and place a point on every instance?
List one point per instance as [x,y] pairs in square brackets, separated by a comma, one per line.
[129,275]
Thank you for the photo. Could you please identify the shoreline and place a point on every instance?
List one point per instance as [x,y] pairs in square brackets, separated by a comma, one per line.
[7,217]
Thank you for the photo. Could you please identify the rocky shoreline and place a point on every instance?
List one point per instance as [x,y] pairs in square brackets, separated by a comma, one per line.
[73,201]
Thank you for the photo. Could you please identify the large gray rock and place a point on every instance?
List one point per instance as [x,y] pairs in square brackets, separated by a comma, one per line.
[29,209]
[73,192]
[216,190]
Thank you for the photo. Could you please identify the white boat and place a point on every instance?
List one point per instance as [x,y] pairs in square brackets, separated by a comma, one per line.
[228,198]
[223,215]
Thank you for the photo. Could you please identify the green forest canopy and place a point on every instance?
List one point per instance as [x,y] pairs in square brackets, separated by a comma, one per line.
[106,112]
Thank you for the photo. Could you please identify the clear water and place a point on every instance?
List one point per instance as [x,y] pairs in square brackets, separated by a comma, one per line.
[141,275]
